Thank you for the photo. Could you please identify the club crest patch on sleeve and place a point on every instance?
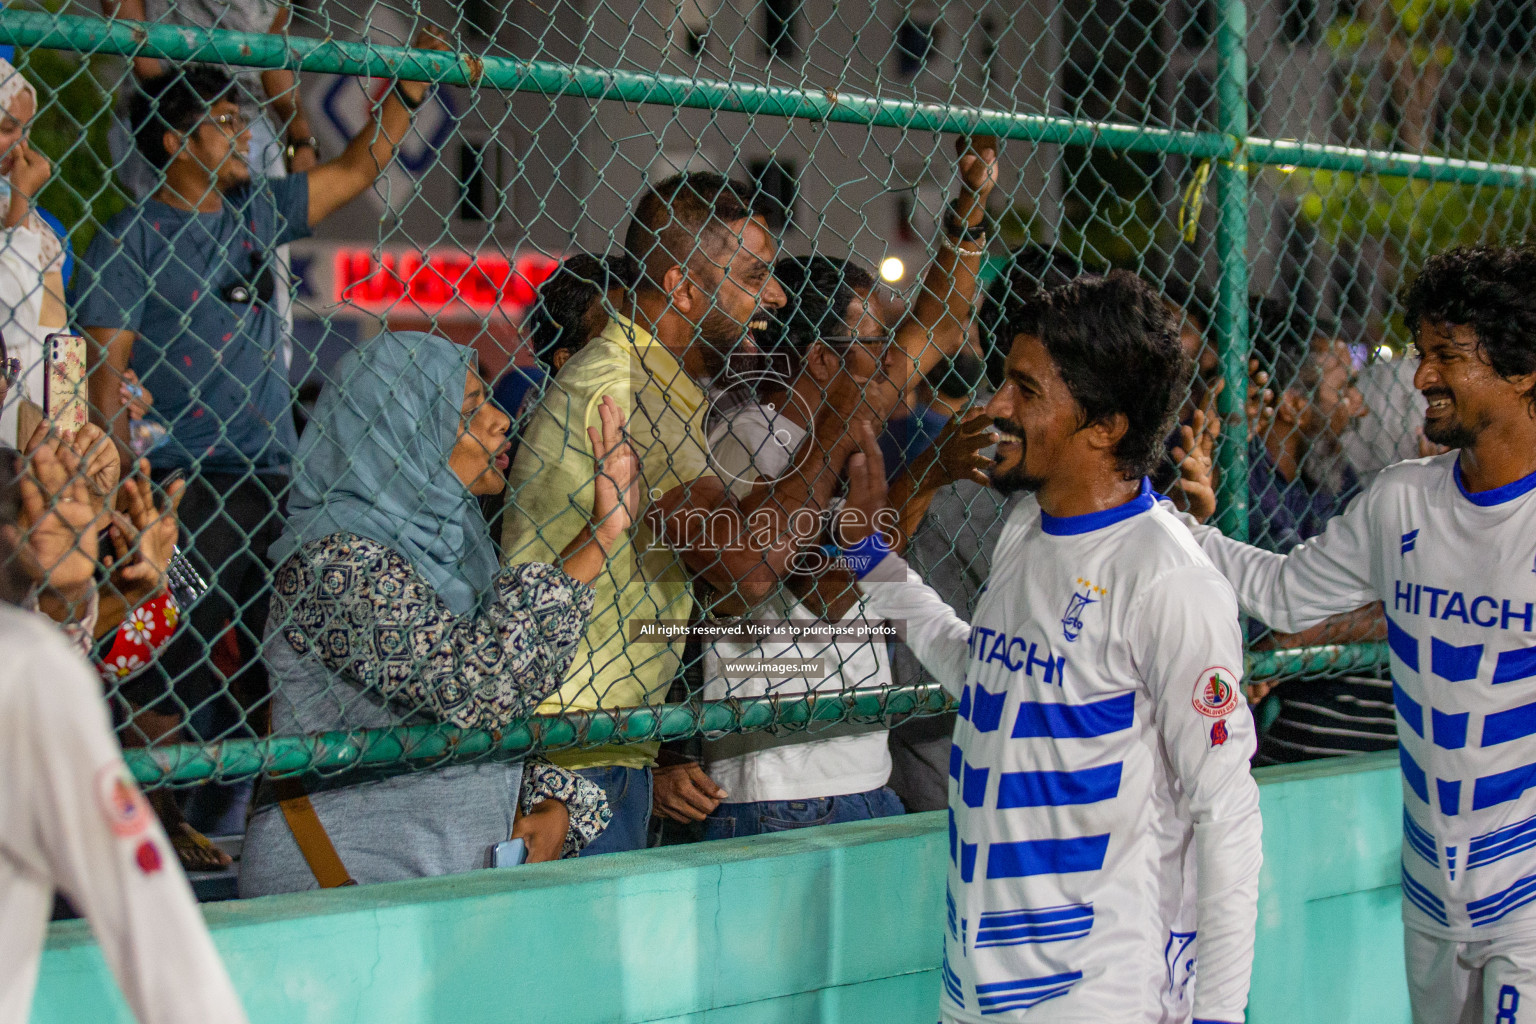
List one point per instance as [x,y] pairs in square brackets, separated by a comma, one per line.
[1218,732]
[1216,693]
[122,805]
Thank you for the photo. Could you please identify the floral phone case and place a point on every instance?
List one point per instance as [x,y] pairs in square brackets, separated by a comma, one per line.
[64,396]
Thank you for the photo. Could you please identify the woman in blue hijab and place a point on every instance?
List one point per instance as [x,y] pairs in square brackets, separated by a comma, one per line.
[389,608]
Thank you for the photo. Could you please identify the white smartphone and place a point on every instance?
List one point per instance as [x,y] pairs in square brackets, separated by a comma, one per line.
[509,854]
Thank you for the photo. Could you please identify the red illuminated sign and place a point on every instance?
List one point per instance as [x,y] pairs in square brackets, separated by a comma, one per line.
[434,282]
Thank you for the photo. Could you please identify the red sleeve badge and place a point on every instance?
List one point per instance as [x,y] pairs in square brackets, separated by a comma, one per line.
[1218,733]
[1216,692]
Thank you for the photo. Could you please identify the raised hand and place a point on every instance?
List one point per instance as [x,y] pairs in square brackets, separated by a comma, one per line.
[616,490]
[958,449]
[59,521]
[143,536]
[867,494]
[1195,454]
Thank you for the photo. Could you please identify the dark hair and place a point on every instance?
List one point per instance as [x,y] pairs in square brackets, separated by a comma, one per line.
[1286,342]
[1490,288]
[674,221]
[1116,346]
[174,102]
[818,290]
[1195,300]
[1015,298]
[569,311]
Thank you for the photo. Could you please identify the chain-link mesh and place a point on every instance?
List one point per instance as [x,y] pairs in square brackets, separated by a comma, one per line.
[1309,152]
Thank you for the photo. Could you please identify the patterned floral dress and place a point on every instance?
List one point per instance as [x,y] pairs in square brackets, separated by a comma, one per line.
[357,638]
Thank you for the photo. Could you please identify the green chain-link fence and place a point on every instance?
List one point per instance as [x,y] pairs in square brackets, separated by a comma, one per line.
[1309,151]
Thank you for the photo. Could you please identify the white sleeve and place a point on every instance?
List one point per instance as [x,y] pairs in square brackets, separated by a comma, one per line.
[1327,575]
[106,852]
[21,279]
[1187,633]
[939,637]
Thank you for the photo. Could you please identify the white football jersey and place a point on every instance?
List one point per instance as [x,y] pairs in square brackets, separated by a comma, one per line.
[1102,814]
[72,821]
[1457,572]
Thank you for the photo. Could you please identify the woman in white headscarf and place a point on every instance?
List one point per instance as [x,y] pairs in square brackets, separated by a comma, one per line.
[31,257]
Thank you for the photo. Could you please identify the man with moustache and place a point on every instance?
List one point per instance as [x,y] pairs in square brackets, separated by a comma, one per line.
[1102,815]
[1448,543]
[706,280]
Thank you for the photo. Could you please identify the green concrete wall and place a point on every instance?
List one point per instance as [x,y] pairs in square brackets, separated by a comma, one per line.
[837,924]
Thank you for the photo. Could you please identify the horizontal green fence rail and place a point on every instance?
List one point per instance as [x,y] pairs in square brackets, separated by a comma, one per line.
[419,745]
[246,49]
[441,745]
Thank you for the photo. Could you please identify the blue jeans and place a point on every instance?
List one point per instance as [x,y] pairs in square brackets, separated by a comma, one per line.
[629,798]
[730,821]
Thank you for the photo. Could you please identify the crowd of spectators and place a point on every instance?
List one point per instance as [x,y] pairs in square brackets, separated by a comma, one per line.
[675,450]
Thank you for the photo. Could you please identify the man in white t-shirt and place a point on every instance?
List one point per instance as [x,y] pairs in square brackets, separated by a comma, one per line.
[72,821]
[842,361]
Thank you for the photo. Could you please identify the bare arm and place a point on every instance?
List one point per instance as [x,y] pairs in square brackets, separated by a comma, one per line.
[743,548]
[337,182]
[935,328]
[282,88]
[133,10]
[108,353]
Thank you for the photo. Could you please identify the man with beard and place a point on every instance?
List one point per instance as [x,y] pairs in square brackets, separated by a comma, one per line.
[706,264]
[1449,544]
[1101,809]
[1299,479]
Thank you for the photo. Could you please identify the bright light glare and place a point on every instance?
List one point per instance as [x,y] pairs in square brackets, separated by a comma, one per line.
[892,269]
[1383,354]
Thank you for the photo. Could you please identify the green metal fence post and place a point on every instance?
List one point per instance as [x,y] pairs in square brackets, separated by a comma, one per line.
[1232,257]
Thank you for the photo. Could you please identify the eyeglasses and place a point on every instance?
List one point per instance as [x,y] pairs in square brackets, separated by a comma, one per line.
[10,371]
[229,124]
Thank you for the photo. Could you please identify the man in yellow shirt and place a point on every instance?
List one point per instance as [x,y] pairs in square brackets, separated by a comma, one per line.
[706,280]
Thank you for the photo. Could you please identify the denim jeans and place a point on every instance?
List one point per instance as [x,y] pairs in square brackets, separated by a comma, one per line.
[629,798]
[731,821]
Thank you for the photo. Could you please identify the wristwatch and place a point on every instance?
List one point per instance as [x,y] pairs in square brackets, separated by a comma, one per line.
[294,145]
[960,230]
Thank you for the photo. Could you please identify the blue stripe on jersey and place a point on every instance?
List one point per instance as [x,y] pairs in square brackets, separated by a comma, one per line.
[1047,924]
[1408,709]
[1075,721]
[1490,908]
[1514,724]
[1002,996]
[949,910]
[1057,789]
[1450,730]
[1514,665]
[1496,789]
[1500,843]
[987,709]
[1422,898]
[1403,644]
[967,862]
[973,790]
[1450,796]
[1046,856]
[1418,838]
[1456,664]
[1413,774]
[954,761]
[952,986]
[963,712]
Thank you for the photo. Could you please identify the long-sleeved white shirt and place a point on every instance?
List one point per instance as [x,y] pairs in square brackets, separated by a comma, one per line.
[1457,573]
[72,820]
[1102,814]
